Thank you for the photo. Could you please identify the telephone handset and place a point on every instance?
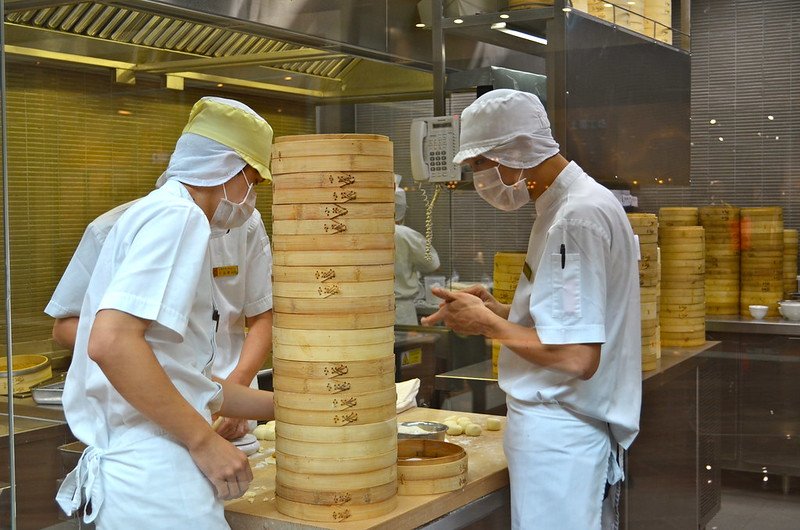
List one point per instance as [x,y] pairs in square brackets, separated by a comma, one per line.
[434,143]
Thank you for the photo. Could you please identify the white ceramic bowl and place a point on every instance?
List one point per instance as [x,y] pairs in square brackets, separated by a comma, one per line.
[790,310]
[758,311]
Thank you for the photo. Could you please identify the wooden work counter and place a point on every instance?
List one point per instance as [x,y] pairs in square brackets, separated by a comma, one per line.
[487,473]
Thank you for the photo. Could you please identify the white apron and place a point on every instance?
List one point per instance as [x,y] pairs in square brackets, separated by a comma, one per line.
[405,312]
[559,463]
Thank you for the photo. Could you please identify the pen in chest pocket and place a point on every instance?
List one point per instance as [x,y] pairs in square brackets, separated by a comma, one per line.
[563,255]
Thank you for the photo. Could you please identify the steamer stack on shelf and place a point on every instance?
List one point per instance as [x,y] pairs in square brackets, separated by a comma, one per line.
[723,245]
[507,268]
[645,226]
[682,308]
[333,359]
[789,263]
[761,259]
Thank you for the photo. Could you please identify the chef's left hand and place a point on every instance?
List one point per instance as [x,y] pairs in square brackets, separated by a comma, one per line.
[462,312]
[232,428]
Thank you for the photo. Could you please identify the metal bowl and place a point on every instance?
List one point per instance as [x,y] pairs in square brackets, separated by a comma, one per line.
[421,430]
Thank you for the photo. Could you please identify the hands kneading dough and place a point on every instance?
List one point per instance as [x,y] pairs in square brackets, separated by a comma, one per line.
[265,431]
[457,425]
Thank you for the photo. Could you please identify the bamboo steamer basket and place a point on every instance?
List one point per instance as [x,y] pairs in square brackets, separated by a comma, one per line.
[507,269]
[315,212]
[503,296]
[649,310]
[334,370]
[333,242]
[368,479]
[371,383]
[313,337]
[427,467]
[364,352]
[513,259]
[333,196]
[334,514]
[687,234]
[407,472]
[678,216]
[27,371]
[335,419]
[641,221]
[342,273]
[339,450]
[313,258]
[762,229]
[335,465]
[321,146]
[718,215]
[337,435]
[432,486]
[648,294]
[339,402]
[333,179]
[311,164]
[319,290]
[683,340]
[510,279]
[333,305]
[342,497]
[649,327]
[341,225]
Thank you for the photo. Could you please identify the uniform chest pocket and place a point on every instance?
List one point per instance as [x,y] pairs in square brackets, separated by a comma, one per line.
[566,285]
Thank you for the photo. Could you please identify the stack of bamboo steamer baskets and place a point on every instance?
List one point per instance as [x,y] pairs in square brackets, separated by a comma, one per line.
[762,271]
[645,226]
[333,335]
[682,307]
[429,467]
[789,263]
[723,245]
[507,268]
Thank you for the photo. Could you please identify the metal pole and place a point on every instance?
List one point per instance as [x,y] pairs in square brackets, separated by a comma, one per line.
[7,272]
[686,24]
[438,57]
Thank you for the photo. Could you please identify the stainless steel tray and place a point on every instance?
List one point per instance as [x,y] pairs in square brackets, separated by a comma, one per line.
[48,394]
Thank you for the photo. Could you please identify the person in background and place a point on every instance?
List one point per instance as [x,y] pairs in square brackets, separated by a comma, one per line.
[570,363]
[139,391]
[410,260]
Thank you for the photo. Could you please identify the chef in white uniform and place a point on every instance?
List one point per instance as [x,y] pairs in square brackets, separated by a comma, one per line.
[139,392]
[570,362]
[410,260]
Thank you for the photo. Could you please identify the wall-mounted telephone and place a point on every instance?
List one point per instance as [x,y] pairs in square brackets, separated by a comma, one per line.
[434,143]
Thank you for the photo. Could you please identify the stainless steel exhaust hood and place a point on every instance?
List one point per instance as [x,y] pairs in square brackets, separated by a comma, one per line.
[232,43]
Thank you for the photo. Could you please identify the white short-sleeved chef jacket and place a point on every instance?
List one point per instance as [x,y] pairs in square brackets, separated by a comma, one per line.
[241,261]
[589,293]
[154,265]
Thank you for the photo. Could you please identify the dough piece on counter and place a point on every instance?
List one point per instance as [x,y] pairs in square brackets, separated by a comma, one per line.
[265,431]
[463,421]
[493,424]
[451,418]
[473,429]
[454,429]
[450,423]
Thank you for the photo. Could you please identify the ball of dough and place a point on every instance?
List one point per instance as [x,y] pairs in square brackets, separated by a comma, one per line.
[463,421]
[493,424]
[450,418]
[454,429]
[472,430]
[265,431]
[451,423]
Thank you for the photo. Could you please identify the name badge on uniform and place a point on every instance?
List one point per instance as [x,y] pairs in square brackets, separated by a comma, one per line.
[230,270]
[526,270]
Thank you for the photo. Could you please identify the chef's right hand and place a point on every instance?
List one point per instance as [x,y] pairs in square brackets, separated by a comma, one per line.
[225,466]
[489,301]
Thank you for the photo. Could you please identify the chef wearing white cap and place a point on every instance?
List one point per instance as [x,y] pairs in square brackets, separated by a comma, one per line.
[570,361]
[410,260]
[139,392]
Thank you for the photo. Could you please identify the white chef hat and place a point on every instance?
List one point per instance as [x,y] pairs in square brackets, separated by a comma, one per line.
[400,204]
[221,137]
[507,126]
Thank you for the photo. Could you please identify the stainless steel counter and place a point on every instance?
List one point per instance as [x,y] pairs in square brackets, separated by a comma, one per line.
[739,324]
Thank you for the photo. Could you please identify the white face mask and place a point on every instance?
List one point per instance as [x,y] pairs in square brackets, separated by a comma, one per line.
[491,187]
[233,215]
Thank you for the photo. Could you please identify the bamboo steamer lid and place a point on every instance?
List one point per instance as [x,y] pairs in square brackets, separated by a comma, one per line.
[334,196]
[339,450]
[353,210]
[324,145]
[336,513]
[345,337]
[349,497]
[337,465]
[333,136]
[338,402]
[347,162]
[333,179]
[319,290]
[335,419]
[718,214]
[334,321]
[367,479]
[291,352]
[337,386]
[333,306]
[677,216]
[333,242]
[338,434]
[335,226]
[341,273]
[327,258]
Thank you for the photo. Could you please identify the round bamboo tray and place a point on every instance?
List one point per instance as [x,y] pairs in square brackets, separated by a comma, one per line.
[336,226]
[334,305]
[337,435]
[348,162]
[354,497]
[408,472]
[345,196]
[332,146]
[346,337]
[334,370]
[681,233]
[643,219]
[427,467]
[423,452]
[342,212]
[341,273]
[317,290]
[326,258]
[334,514]
[334,242]
[364,352]
[307,481]
[336,403]
[27,371]
[372,383]
[678,216]
[340,450]
[333,179]
[335,419]
[432,486]
[336,465]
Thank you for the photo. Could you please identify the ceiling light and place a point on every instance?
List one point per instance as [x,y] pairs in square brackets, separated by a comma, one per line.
[458,21]
[501,26]
[770,117]
[712,121]
[220,85]
[287,78]
[566,9]
[420,25]
[123,112]
[504,16]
